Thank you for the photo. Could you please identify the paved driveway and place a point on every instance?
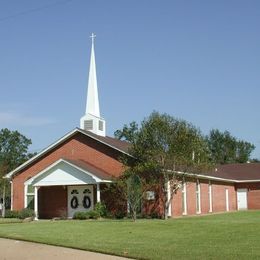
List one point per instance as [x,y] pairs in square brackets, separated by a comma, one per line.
[19,250]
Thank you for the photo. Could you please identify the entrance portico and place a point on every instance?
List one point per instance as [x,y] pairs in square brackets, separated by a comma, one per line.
[71,184]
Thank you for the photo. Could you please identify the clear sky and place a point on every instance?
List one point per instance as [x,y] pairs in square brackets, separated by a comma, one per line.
[196,60]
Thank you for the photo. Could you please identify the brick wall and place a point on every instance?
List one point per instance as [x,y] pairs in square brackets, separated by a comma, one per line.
[204,196]
[52,202]
[218,198]
[77,147]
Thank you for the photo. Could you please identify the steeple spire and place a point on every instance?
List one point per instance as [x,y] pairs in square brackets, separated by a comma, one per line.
[92,106]
[92,121]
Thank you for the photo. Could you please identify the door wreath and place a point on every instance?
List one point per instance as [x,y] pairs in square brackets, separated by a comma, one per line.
[74,203]
[86,202]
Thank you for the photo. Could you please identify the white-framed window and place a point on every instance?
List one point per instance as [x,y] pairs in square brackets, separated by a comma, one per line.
[28,196]
[184,197]
[210,196]
[227,200]
[198,206]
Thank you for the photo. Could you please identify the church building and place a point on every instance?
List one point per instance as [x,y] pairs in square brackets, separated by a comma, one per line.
[70,175]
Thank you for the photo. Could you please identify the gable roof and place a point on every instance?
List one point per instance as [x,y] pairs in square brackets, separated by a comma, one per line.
[240,172]
[233,173]
[121,146]
[88,170]
[101,174]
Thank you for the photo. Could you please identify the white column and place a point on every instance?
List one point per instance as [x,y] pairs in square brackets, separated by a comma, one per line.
[25,195]
[169,199]
[98,192]
[227,200]
[12,193]
[198,203]
[184,197]
[210,196]
[36,202]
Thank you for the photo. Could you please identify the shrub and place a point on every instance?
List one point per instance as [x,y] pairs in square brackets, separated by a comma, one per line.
[26,213]
[93,214]
[11,214]
[120,214]
[100,208]
[80,215]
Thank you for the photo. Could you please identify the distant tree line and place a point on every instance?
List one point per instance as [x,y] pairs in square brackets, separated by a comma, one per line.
[13,152]
[225,148]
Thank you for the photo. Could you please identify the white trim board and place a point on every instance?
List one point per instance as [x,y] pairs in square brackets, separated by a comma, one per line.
[63,172]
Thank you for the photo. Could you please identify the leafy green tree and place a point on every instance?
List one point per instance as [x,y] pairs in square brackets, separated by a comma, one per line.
[13,152]
[162,148]
[244,150]
[225,148]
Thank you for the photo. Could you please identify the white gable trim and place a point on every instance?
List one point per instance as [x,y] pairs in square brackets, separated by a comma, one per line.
[59,141]
[31,180]
[208,177]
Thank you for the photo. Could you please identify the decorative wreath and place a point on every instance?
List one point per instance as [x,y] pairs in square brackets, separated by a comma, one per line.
[74,203]
[86,202]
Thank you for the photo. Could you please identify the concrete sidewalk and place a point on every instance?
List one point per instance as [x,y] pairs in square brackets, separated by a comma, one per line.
[20,250]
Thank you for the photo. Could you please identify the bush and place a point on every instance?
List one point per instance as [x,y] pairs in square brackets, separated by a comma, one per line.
[11,214]
[80,215]
[100,208]
[120,214]
[93,214]
[26,213]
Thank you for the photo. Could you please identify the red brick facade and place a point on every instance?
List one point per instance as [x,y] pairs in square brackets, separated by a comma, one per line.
[76,147]
[218,196]
[53,200]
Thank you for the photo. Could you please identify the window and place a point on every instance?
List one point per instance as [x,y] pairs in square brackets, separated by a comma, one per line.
[198,207]
[100,125]
[29,196]
[184,198]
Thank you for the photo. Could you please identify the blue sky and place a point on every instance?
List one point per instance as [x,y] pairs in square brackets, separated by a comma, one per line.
[196,60]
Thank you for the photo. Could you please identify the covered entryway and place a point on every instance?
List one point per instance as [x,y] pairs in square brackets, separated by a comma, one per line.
[241,199]
[65,187]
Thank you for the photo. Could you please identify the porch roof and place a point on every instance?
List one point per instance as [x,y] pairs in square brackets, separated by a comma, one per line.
[69,172]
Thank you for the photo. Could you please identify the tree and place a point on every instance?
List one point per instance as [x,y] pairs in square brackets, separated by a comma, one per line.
[225,148]
[162,149]
[13,152]
[244,150]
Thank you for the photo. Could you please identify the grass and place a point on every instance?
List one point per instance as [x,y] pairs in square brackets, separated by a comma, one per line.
[223,236]
[10,220]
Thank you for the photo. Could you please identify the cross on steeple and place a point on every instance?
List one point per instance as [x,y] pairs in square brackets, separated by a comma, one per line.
[93,36]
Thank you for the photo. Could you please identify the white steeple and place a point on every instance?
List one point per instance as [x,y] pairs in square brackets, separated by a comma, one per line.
[92,121]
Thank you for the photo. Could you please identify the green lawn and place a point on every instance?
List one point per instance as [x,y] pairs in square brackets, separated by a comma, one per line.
[223,236]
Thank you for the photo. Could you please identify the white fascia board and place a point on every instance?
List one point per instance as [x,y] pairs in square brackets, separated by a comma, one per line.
[204,176]
[247,181]
[98,180]
[47,149]
[208,177]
